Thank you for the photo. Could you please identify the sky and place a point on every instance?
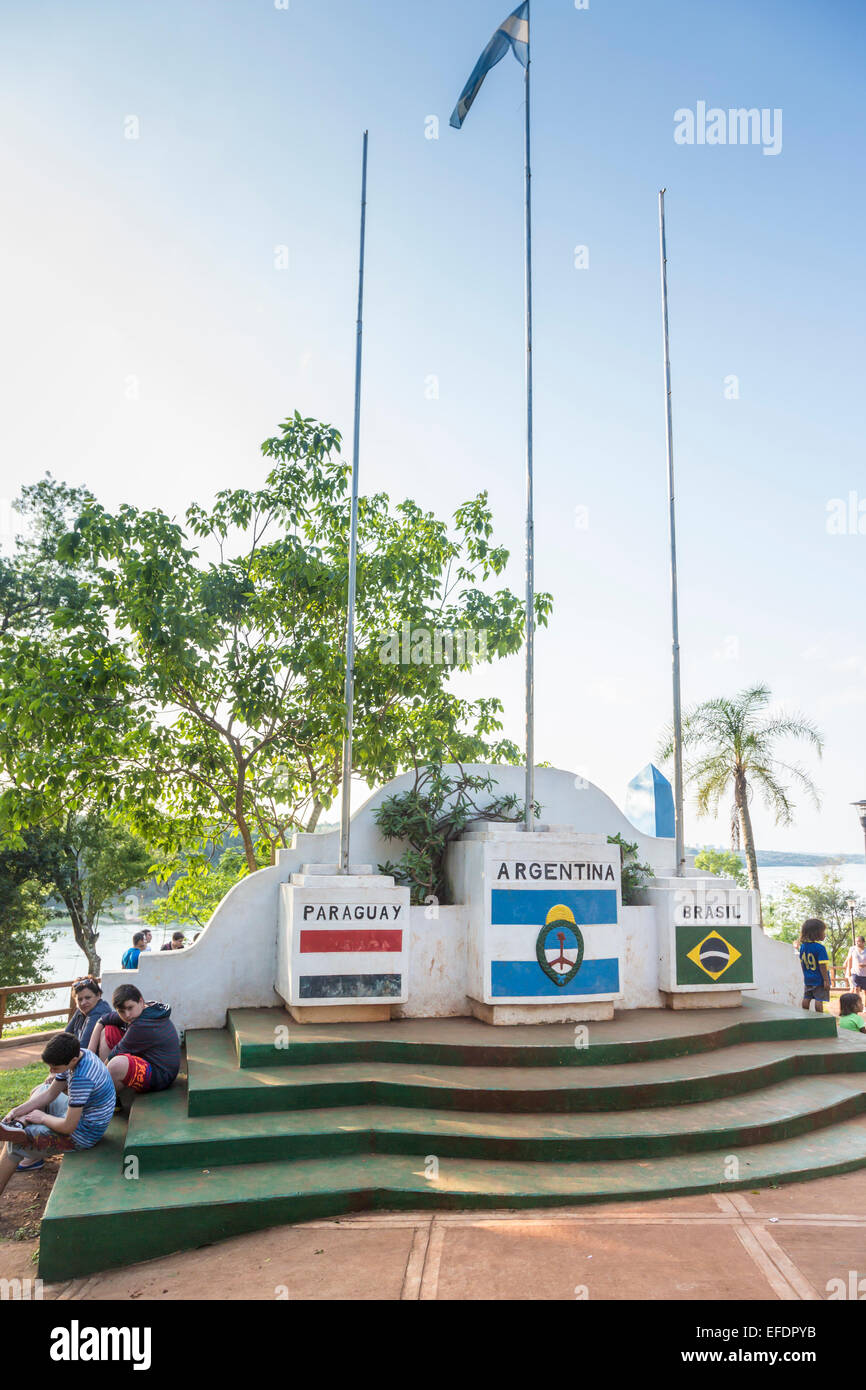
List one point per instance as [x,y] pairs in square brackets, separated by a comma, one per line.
[179,272]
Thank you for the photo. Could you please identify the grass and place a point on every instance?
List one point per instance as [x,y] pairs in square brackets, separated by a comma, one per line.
[16,1084]
[46,1026]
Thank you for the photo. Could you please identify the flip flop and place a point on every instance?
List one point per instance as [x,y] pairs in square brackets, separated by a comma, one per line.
[30,1167]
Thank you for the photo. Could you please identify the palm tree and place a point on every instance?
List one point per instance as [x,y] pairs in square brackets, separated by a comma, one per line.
[732,751]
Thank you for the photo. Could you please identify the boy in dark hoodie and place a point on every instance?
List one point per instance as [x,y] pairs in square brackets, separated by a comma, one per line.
[138,1042]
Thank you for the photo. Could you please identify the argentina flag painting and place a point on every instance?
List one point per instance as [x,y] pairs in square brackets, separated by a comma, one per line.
[552,922]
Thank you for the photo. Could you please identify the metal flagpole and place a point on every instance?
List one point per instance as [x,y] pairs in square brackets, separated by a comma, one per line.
[353,548]
[530,530]
[678,719]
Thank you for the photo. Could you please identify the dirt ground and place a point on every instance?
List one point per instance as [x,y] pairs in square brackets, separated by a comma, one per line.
[24,1200]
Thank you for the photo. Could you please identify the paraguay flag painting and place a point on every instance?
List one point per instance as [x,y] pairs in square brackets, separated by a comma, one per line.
[359,955]
[553,942]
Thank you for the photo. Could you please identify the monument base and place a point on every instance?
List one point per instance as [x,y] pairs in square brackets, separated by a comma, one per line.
[703,999]
[340,1013]
[541,1013]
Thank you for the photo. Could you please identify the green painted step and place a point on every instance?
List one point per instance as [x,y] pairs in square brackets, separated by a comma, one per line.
[270,1038]
[96,1218]
[162,1136]
[218,1087]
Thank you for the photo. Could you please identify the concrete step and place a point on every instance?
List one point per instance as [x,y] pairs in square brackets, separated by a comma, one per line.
[218,1087]
[270,1038]
[162,1136]
[96,1218]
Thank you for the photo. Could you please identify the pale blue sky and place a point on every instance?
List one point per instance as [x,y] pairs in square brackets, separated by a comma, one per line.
[148,266]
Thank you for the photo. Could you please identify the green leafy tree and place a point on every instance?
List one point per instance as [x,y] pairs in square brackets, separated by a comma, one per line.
[827,900]
[634,873]
[195,684]
[437,809]
[24,941]
[198,889]
[86,862]
[730,750]
[67,704]
[23,914]
[723,863]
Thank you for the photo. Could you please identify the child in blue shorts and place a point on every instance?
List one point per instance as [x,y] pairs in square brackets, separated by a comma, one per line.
[813,960]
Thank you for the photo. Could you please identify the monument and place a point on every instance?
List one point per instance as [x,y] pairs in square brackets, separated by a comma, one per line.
[336,1035]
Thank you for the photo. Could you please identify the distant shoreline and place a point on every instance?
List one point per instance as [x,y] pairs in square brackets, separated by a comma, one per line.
[782,859]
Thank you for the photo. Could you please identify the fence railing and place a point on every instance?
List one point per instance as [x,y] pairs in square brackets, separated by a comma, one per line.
[41,988]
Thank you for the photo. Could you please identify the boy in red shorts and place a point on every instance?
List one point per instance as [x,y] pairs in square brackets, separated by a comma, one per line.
[138,1042]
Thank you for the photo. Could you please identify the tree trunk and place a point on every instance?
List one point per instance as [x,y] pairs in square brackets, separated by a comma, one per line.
[742,799]
[314,816]
[249,847]
[241,823]
[84,933]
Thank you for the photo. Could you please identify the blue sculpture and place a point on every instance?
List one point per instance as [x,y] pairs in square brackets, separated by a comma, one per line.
[649,803]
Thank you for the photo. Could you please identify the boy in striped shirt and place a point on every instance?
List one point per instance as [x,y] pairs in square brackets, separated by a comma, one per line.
[72,1111]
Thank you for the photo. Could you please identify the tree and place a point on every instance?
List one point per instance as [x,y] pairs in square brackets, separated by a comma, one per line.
[722,863]
[827,900]
[733,752]
[198,889]
[435,811]
[634,873]
[67,706]
[219,655]
[86,862]
[23,941]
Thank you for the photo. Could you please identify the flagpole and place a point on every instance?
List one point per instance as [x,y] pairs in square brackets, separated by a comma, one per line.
[530,525]
[353,547]
[675,624]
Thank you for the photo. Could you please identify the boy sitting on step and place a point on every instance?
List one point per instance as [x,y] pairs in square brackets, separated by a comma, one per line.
[72,1111]
[851,1013]
[138,1042]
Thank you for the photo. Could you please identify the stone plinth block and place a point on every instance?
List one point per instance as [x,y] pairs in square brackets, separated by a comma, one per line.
[703,999]
[544,918]
[343,945]
[705,931]
[509,1014]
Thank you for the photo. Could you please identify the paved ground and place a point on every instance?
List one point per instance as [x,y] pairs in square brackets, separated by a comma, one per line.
[779,1244]
[23,1053]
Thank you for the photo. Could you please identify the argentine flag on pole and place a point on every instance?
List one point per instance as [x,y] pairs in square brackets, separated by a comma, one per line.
[512,33]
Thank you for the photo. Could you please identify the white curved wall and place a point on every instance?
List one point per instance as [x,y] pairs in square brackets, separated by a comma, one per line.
[233,963]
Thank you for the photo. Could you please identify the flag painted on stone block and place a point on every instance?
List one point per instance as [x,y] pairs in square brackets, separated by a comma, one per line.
[553,943]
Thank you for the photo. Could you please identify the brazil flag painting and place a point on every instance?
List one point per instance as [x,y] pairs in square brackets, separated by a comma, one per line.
[714,955]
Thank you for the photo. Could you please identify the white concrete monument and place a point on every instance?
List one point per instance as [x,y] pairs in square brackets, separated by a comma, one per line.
[535,929]
[705,927]
[342,944]
[544,940]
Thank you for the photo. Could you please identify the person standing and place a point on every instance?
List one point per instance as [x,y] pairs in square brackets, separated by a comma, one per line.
[814,963]
[129,960]
[855,967]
